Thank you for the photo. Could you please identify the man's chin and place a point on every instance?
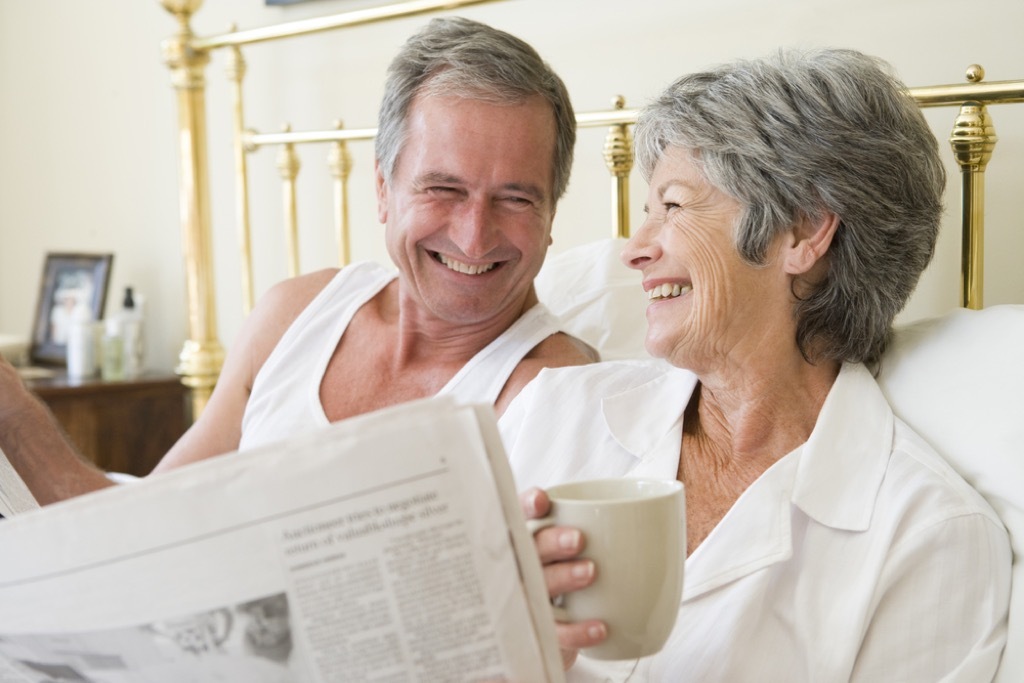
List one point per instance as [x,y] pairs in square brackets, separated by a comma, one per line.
[468,310]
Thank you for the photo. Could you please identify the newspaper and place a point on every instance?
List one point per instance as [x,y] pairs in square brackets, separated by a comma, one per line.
[388,547]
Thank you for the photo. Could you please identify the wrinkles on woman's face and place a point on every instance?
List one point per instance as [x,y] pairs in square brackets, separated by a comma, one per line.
[700,235]
[688,240]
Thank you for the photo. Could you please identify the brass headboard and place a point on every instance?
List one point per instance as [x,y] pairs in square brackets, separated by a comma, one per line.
[972,140]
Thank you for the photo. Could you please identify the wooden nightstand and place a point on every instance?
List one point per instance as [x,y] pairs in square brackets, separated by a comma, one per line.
[122,426]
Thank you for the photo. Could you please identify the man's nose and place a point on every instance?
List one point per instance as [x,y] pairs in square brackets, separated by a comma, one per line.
[473,229]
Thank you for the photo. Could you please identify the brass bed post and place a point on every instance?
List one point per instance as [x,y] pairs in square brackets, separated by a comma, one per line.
[235,68]
[618,156]
[288,164]
[973,139]
[202,356]
[340,162]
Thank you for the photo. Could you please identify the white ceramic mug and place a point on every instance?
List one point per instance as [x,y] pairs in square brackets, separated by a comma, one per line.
[635,531]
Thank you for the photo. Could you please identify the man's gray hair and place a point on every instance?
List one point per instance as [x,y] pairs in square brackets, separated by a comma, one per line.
[800,135]
[457,56]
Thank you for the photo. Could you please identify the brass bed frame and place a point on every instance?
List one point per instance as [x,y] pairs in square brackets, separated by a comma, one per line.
[186,55]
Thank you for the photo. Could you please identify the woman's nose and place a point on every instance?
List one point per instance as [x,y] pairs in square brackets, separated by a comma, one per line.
[641,248]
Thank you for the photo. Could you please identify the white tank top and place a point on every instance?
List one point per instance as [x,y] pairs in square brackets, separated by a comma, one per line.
[285,396]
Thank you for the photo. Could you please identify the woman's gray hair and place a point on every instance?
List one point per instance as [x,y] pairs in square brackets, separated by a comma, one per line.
[801,135]
[457,56]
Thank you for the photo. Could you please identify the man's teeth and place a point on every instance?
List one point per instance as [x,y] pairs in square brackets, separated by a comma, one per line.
[667,291]
[460,267]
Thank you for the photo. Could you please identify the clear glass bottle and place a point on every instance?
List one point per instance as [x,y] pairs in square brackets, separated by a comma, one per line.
[112,366]
[131,334]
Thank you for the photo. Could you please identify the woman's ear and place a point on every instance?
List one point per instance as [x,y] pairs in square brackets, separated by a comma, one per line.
[382,194]
[807,243]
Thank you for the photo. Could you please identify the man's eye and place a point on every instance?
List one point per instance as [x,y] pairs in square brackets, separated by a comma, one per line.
[669,206]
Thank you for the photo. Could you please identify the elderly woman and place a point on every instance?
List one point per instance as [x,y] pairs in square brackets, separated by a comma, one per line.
[793,204]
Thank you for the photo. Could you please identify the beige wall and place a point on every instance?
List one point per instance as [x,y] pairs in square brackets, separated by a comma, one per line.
[87,124]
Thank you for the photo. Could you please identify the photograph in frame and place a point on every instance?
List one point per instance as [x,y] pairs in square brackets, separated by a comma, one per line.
[68,281]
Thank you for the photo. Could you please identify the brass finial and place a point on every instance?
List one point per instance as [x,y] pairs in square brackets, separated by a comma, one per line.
[975,73]
[234,65]
[287,160]
[182,10]
[182,6]
[339,160]
[618,145]
[185,62]
[973,137]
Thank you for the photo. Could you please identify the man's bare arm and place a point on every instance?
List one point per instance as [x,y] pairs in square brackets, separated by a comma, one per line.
[37,447]
[219,428]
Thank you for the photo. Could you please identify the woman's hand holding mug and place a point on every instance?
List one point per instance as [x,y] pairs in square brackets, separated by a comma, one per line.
[613,552]
[564,572]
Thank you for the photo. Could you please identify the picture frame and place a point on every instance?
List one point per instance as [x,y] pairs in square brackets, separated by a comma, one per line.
[68,279]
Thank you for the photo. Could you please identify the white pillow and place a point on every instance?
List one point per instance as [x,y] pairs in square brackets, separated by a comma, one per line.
[599,299]
[958,380]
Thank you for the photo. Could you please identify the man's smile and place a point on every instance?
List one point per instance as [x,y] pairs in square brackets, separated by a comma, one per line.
[465,268]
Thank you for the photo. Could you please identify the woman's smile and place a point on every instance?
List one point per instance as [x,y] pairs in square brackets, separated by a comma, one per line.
[667,291]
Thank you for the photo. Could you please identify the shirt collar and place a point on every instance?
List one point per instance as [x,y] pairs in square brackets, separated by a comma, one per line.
[833,478]
[844,460]
[640,417]
[841,465]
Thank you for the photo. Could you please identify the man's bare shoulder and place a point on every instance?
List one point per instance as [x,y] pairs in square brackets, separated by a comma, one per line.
[219,428]
[557,351]
[276,310]
[561,349]
[294,294]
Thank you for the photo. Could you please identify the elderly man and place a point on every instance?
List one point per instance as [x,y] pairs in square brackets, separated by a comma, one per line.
[475,145]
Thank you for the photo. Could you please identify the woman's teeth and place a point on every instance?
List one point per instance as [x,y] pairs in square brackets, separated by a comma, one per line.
[460,267]
[667,291]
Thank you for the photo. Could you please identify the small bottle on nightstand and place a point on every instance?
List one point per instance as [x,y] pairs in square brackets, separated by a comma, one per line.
[112,365]
[131,333]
